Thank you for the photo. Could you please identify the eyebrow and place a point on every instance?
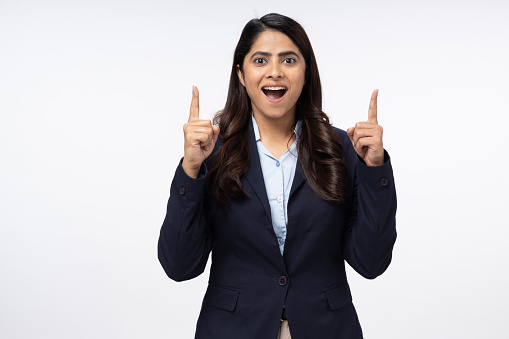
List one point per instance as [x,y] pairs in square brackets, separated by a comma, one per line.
[281,54]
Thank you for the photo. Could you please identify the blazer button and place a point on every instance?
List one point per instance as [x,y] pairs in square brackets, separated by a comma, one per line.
[282,280]
[182,190]
[384,181]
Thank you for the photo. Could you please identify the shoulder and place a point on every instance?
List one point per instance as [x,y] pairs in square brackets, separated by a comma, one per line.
[349,154]
[345,139]
[342,134]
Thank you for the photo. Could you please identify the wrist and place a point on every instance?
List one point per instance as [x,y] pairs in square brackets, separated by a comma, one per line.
[191,171]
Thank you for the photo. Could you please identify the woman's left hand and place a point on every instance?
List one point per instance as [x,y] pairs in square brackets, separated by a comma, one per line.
[366,136]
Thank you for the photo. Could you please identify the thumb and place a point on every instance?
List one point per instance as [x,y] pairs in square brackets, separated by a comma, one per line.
[215,133]
[350,132]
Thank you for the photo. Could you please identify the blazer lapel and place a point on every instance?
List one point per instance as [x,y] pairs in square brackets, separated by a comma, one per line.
[298,178]
[254,174]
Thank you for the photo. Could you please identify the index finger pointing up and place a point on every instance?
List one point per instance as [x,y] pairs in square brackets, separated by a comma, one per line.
[194,112]
[372,112]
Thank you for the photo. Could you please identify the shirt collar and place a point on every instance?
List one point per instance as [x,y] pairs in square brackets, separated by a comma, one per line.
[298,126]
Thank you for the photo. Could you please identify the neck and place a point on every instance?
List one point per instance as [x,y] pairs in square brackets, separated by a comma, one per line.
[275,130]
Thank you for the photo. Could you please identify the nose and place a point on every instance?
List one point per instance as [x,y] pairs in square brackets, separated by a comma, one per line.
[275,70]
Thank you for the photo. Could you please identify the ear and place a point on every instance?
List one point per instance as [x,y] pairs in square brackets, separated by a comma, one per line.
[240,75]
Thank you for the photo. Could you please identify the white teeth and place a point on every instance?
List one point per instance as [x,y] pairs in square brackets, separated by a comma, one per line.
[278,88]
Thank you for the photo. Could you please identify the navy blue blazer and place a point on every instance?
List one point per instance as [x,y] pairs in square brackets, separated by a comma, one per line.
[250,281]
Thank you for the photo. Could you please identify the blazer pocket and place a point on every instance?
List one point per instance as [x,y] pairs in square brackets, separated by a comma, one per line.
[221,298]
[339,297]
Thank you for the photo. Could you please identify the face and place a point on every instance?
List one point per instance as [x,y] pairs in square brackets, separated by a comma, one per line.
[273,74]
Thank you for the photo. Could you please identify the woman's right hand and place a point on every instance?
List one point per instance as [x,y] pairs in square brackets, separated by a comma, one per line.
[200,136]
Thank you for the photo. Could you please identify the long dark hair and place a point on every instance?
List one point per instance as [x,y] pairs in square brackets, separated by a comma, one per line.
[320,152]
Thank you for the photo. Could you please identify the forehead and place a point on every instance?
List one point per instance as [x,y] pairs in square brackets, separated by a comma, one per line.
[273,42]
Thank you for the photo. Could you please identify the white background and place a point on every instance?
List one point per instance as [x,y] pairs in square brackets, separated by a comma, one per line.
[93,96]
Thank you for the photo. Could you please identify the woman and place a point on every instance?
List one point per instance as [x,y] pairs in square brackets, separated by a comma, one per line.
[280,197]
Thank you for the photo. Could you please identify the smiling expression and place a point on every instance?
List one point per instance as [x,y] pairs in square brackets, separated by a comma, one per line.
[274,73]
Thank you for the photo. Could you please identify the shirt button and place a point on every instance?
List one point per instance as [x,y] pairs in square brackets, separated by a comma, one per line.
[279,199]
[282,280]
[182,191]
[384,181]
[278,164]
[281,241]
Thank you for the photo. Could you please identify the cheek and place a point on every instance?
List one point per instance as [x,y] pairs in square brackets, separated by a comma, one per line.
[300,81]
[251,81]
[299,77]
[303,78]
[250,88]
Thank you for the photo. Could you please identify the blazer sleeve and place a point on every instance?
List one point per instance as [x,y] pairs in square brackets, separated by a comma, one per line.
[185,240]
[371,230]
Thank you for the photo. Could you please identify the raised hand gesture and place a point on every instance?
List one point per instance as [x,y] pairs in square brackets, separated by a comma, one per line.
[366,136]
[200,136]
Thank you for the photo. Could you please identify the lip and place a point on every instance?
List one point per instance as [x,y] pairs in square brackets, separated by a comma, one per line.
[274,101]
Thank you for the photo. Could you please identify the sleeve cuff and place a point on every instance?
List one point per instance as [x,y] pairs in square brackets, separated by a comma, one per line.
[386,159]
[201,174]
[187,187]
[379,176]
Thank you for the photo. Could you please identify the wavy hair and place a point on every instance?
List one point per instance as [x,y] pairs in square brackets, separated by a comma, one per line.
[320,152]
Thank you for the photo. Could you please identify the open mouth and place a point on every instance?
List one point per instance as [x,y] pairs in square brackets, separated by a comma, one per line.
[275,92]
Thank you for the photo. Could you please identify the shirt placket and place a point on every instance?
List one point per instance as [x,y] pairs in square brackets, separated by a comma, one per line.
[281,206]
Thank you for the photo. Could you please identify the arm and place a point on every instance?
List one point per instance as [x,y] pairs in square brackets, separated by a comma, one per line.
[185,240]
[371,231]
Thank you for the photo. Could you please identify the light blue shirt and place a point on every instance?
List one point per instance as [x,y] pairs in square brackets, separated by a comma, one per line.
[278,177]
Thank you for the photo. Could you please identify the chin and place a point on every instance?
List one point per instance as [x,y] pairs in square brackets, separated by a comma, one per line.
[274,115]
[275,112]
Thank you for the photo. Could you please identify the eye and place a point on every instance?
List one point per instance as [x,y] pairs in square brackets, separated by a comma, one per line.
[259,61]
[289,60]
